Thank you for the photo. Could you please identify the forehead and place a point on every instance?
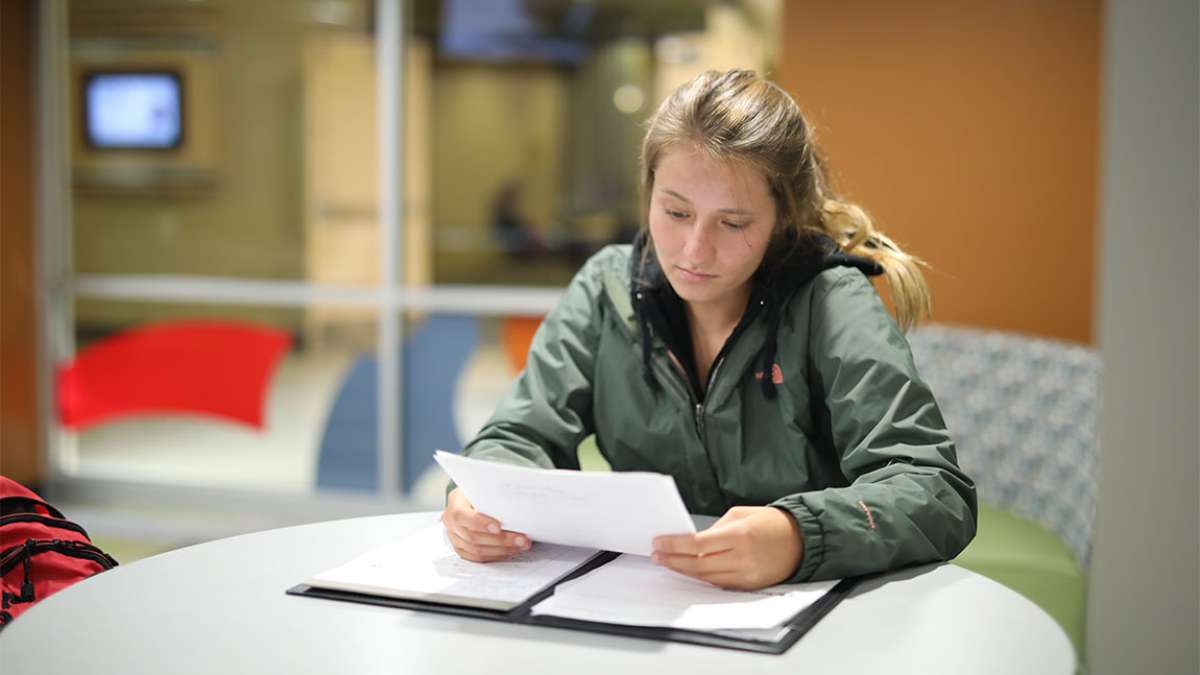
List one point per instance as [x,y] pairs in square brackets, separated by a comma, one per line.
[697,176]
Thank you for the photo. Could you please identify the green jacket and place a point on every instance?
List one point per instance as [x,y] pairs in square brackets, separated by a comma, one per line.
[845,437]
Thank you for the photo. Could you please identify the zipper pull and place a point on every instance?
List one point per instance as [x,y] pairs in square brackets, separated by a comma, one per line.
[700,419]
[26,583]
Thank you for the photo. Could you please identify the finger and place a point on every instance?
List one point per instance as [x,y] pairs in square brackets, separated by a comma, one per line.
[481,557]
[506,539]
[722,537]
[696,566]
[709,542]
[479,522]
[485,553]
[481,553]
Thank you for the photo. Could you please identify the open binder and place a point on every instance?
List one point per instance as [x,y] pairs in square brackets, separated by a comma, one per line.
[768,642]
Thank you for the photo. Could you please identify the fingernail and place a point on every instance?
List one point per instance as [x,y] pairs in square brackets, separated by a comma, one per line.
[656,558]
[494,528]
[520,541]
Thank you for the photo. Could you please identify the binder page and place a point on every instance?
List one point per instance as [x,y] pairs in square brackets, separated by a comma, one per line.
[633,591]
[425,567]
[615,511]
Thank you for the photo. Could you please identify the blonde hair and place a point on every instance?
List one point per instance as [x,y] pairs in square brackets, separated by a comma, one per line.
[738,115]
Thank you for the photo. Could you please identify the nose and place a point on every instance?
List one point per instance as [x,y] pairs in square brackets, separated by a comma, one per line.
[698,245]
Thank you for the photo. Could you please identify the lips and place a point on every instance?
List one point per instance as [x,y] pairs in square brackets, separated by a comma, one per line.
[689,275]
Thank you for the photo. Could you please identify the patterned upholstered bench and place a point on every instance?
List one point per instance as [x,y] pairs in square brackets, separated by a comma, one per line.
[1023,414]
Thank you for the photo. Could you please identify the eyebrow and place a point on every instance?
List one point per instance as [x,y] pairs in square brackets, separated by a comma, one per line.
[736,212]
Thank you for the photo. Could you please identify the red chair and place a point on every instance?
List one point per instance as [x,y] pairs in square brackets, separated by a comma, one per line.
[218,368]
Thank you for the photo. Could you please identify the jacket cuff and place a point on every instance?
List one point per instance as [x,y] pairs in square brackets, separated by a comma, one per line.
[811,530]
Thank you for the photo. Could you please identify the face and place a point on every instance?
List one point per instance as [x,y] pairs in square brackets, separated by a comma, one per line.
[710,221]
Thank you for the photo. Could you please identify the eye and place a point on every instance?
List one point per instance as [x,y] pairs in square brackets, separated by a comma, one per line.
[733,225]
[676,215]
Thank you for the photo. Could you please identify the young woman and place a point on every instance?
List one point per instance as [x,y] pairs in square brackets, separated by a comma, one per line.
[739,347]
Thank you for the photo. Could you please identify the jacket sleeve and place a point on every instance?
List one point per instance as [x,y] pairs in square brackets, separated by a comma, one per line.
[548,410]
[907,501]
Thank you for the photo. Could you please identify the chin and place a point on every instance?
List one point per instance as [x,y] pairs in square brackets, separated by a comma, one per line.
[689,293]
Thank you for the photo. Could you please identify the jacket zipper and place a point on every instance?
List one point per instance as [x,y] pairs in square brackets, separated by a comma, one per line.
[712,377]
[697,406]
[698,409]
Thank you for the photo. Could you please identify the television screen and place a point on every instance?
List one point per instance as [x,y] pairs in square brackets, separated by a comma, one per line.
[509,30]
[133,110]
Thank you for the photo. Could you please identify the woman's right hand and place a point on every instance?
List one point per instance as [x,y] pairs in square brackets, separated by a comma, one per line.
[477,537]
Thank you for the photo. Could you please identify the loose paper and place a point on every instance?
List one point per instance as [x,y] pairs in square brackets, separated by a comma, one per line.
[614,511]
[633,591]
[425,567]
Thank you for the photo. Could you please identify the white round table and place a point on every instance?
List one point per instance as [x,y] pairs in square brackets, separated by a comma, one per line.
[220,607]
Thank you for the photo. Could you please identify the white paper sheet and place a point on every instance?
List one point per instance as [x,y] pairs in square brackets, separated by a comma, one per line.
[633,591]
[425,567]
[617,511]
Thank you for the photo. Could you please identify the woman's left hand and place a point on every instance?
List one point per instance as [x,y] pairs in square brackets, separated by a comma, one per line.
[749,547]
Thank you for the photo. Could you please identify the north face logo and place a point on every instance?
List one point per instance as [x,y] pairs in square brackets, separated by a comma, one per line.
[776,374]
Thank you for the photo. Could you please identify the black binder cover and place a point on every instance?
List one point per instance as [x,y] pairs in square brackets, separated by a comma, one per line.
[797,626]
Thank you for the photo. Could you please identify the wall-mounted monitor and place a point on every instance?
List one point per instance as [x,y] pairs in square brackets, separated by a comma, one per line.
[514,31]
[133,110]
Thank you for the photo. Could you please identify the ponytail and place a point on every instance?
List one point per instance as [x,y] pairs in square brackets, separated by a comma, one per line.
[850,226]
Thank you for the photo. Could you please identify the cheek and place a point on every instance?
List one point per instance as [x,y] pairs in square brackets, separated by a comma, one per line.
[746,249]
[661,234]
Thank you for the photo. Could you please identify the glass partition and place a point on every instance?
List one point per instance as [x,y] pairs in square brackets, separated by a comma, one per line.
[226,177]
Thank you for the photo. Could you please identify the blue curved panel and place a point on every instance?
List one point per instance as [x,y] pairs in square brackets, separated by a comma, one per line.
[348,457]
[434,357]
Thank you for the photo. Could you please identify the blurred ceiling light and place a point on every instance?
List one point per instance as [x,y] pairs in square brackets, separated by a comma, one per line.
[675,50]
[332,12]
[628,98]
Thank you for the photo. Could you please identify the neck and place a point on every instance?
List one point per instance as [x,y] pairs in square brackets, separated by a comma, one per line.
[718,316]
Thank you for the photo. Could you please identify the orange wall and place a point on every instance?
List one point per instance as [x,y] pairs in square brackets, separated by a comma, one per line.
[19,452]
[969,131]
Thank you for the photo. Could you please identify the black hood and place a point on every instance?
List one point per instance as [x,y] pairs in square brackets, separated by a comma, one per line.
[660,310]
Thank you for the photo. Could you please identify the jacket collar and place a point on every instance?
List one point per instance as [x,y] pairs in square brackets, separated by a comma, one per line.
[658,310]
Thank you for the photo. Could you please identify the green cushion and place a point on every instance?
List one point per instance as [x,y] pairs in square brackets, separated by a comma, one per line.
[590,458]
[1033,561]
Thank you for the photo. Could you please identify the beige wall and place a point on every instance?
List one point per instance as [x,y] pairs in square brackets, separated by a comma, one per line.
[492,123]
[969,131]
[243,115]
[341,167]
[604,140]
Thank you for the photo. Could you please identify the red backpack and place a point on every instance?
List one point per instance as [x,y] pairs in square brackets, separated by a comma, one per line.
[41,552]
